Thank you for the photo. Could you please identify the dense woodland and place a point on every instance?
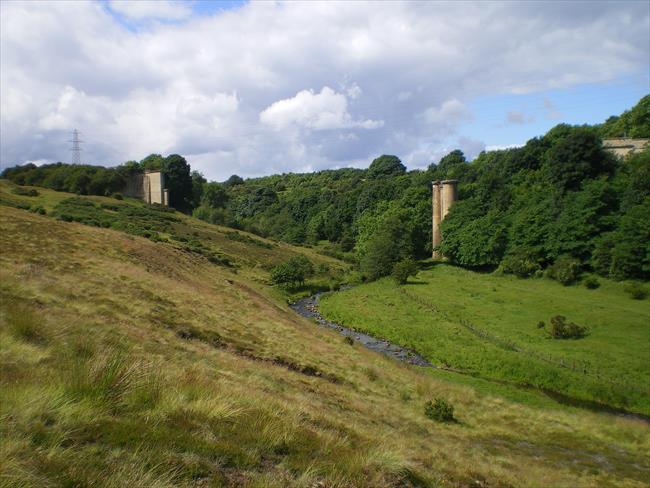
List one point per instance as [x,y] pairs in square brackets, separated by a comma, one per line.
[560,204]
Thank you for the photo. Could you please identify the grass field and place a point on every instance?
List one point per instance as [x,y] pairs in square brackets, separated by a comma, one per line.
[487,325]
[131,361]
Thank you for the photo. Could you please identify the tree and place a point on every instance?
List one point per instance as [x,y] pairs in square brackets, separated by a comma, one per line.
[403,269]
[198,182]
[234,180]
[153,162]
[294,271]
[385,166]
[214,195]
[389,242]
[576,157]
[446,167]
[178,181]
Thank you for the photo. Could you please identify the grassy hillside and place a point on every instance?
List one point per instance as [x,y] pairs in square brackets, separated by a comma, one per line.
[146,362]
[488,325]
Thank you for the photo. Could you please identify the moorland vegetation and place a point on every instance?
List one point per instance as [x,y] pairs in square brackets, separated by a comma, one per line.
[133,360]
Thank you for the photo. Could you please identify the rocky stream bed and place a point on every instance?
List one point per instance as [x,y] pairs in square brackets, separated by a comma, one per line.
[308,307]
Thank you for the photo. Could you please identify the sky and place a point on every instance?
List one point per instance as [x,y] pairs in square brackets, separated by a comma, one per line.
[257,88]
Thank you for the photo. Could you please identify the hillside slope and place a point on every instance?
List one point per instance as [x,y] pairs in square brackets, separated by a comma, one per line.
[128,362]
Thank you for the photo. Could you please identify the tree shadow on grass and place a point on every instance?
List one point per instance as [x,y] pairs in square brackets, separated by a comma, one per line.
[417,283]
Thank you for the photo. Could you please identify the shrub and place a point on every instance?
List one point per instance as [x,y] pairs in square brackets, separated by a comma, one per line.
[521,263]
[636,291]
[403,269]
[25,192]
[292,271]
[440,410]
[591,283]
[565,270]
[560,329]
[117,196]
[541,324]
[38,210]
[348,340]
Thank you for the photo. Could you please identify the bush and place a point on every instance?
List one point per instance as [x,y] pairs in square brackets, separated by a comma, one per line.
[541,324]
[38,210]
[348,340]
[521,264]
[294,271]
[117,196]
[25,192]
[565,270]
[403,269]
[636,291]
[591,283]
[560,329]
[440,410]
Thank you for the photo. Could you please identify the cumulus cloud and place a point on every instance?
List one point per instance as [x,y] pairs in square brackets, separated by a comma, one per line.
[325,110]
[273,86]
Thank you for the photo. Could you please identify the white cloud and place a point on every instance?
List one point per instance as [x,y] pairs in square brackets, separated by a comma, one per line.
[229,90]
[501,147]
[152,9]
[451,112]
[325,110]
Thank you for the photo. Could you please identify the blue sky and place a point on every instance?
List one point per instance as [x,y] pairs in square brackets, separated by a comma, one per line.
[580,104]
[267,87]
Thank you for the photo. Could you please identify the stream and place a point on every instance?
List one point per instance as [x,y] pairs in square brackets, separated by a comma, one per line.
[308,308]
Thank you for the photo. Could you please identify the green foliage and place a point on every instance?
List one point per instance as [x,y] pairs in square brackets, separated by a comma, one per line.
[439,410]
[385,239]
[636,291]
[560,329]
[292,272]
[234,180]
[450,166]
[153,222]
[576,157]
[566,270]
[591,283]
[81,179]
[198,187]
[385,166]
[178,180]
[632,123]
[521,262]
[472,239]
[214,195]
[403,269]
[26,192]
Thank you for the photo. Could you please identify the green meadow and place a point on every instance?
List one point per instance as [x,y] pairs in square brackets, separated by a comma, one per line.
[489,325]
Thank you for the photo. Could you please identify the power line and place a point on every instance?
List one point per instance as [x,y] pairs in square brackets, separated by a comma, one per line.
[76,147]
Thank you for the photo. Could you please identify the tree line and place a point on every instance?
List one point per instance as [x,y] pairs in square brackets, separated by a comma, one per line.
[560,204]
